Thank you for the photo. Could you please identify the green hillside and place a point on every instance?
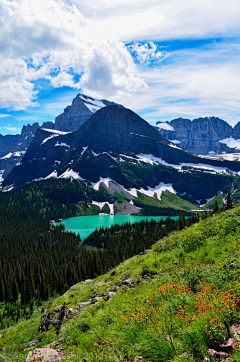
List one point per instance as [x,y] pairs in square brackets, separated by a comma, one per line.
[183,300]
[170,204]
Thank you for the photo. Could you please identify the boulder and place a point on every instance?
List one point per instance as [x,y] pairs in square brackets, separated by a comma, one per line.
[216,354]
[228,346]
[44,355]
[85,304]
[236,328]
[128,282]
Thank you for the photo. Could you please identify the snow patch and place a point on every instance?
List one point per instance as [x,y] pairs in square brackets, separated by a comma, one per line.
[137,134]
[92,104]
[84,149]
[151,191]
[101,204]
[49,138]
[102,153]
[70,174]
[55,131]
[62,144]
[106,181]
[176,142]
[165,126]
[1,173]
[226,157]
[12,154]
[9,188]
[51,175]
[148,158]
[231,142]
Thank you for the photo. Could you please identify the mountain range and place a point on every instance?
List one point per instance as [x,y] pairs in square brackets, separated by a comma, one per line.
[204,136]
[13,147]
[118,150]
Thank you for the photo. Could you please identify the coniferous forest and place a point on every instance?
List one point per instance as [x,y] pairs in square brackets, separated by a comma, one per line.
[38,260]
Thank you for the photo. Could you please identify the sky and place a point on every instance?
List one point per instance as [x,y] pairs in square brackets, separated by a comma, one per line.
[163,59]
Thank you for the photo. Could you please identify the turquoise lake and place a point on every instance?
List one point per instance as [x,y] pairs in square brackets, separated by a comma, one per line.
[85,225]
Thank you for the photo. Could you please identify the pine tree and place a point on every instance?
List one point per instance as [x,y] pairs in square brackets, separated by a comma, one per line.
[229,200]
[215,207]
[180,222]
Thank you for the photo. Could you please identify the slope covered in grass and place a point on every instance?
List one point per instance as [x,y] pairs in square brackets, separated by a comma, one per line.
[183,299]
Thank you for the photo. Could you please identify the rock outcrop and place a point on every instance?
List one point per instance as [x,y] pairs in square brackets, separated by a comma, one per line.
[200,136]
[82,108]
[55,318]
[44,355]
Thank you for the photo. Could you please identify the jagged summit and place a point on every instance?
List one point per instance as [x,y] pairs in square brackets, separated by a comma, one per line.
[13,147]
[82,108]
[204,135]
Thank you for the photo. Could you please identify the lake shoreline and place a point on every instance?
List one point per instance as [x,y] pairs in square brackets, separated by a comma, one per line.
[86,225]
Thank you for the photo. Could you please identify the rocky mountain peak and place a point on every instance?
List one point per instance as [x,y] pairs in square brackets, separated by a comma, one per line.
[201,135]
[82,108]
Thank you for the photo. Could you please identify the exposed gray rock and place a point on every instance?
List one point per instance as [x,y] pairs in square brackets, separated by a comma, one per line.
[85,304]
[82,108]
[32,343]
[221,355]
[55,318]
[44,355]
[228,346]
[200,136]
[72,311]
[128,282]
[144,252]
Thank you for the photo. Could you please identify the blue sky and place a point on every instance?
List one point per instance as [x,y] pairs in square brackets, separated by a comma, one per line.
[163,59]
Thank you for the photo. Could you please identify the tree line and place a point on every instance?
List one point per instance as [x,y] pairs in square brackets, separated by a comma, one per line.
[38,260]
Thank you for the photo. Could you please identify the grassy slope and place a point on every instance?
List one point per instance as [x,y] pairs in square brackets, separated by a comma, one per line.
[210,204]
[168,200]
[207,251]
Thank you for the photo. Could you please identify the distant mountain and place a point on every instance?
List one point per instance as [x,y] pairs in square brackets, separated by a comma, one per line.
[13,147]
[82,108]
[118,150]
[209,135]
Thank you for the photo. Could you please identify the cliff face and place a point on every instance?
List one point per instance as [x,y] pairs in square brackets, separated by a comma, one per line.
[200,136]
[13,152]
[82,108]
[6,142]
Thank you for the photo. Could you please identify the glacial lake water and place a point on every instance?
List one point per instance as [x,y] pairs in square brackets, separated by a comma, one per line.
[85,225]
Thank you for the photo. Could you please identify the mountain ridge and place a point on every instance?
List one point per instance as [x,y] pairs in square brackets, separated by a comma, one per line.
[204,135]
[115,145]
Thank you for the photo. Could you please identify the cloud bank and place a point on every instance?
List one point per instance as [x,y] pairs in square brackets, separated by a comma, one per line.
[122,50]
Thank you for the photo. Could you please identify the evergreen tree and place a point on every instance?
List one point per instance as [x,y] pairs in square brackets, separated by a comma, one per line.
[229,200]
[215,207]
[180,222]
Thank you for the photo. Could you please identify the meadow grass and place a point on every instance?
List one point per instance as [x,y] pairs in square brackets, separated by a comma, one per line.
[184,298]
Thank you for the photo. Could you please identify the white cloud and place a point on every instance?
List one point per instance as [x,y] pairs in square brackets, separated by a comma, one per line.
[48,39]
[141,20]
[114,74]
[2,115]
[197,83]
[148,52]
[12,129]
[53,40]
